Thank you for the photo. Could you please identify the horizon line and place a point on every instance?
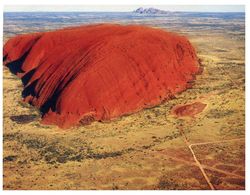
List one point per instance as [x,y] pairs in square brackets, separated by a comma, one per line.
[125,8]
[18,11]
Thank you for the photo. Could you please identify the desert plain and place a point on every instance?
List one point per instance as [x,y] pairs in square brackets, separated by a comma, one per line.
[150,149]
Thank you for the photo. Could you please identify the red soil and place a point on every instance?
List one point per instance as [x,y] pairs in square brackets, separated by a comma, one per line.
[189,109]
[100,72]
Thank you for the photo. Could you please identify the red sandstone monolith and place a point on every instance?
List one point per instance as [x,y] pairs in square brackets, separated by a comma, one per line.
[100,72]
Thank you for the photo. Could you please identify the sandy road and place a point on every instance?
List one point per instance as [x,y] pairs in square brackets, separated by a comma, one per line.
[202,167]
[196,160]
[205,167]
[216,142]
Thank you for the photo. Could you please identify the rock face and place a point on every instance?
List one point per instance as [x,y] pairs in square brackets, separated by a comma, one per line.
[99,72]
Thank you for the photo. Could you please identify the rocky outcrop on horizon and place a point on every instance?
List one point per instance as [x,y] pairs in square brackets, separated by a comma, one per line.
[150,10]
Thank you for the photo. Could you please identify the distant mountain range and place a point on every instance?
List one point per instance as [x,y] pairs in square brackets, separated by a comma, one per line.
[150,10]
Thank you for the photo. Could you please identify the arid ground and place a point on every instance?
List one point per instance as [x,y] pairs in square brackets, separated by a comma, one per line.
[151,149]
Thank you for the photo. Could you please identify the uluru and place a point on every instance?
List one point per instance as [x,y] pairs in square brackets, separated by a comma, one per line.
[78,75]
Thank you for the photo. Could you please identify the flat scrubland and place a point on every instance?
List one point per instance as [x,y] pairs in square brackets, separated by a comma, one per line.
[151,149]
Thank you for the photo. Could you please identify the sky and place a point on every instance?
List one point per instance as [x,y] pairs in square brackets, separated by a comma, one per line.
[124,8]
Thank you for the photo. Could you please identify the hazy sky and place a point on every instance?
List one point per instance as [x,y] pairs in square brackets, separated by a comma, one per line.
[124,8]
